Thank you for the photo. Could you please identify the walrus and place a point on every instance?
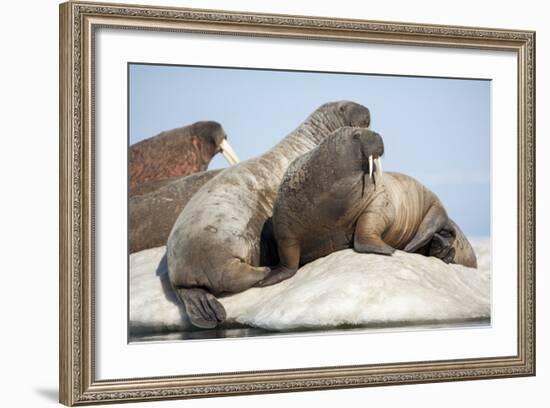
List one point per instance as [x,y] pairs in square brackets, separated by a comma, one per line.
[326,202]
[215,245]
[178,152]
[152,215]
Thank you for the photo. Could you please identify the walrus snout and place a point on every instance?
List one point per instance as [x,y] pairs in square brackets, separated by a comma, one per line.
[216,135]
[372,150]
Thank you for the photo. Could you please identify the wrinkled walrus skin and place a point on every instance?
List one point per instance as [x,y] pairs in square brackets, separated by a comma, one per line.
[328,201]
[150,186]
[151,216]
[214,247]
[175,153]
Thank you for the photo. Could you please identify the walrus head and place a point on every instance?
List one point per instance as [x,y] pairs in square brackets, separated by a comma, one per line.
[354,114]
[358,151]
[214,136]
[371,147]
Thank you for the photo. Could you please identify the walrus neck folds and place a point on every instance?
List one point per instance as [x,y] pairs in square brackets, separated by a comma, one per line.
[309,134]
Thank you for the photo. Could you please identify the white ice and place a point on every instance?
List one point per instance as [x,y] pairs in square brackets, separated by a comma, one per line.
[344,288]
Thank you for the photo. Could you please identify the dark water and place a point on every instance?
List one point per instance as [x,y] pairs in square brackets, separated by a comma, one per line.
[245,331]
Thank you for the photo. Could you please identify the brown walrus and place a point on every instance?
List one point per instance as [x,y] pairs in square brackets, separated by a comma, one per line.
[215,245]
[178,152]
[150,186]
[326,202]
[152,215]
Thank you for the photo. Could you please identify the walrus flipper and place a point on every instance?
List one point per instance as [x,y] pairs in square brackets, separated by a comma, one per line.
[203,309]
[463,252]
[435,220]
[289,256]
[277,275]
[368,235]
[240,276]
[441,246]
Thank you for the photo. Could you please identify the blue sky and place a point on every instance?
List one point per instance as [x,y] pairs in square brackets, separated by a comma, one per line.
[435,129]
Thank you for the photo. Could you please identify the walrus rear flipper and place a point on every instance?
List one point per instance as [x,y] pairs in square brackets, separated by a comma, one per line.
[203,309]
[441,246]
[464,253]
[435,220]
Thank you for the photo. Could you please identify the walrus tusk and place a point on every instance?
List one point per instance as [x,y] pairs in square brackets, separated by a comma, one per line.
[228,152]
[378,162]
[370,167]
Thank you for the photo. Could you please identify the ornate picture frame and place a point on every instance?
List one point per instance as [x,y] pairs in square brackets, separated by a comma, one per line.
[79,22]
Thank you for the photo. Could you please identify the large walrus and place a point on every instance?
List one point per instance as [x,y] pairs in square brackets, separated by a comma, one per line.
[152,215]
[214,247]
[178,152]
[326,202]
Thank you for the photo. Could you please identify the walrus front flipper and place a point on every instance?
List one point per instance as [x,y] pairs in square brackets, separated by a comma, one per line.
[289,256]
[277,275]
[203,309]
[435,220]
[368,235]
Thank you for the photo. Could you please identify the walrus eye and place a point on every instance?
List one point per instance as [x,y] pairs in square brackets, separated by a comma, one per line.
[356,135]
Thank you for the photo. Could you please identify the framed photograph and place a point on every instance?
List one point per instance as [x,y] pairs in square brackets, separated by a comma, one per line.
[254,203]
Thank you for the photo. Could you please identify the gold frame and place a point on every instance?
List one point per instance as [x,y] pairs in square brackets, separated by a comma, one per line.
[78,22]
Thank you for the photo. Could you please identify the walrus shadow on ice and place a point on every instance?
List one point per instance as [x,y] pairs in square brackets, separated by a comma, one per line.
[336,197]
[214,248]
